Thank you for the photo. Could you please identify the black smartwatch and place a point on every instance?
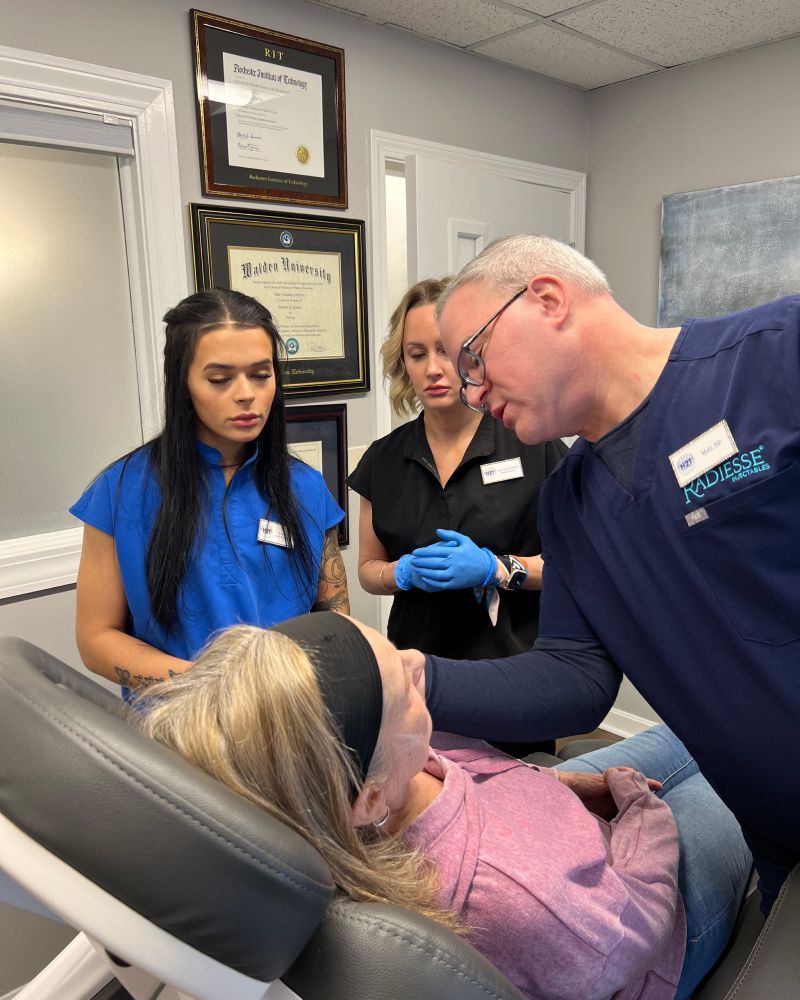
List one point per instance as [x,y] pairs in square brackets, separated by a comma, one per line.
[517,574]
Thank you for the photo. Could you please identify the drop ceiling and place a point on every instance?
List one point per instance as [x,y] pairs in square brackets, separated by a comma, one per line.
[588,45]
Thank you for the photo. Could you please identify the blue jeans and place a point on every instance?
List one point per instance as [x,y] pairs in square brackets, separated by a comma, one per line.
[715,862]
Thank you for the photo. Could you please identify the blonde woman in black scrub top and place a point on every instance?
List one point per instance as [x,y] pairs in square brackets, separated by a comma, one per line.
[448,505]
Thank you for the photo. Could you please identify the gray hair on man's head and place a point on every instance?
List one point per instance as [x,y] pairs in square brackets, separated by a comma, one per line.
[510,262]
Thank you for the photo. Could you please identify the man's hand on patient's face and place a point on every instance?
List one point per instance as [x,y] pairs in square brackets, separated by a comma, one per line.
[593,790]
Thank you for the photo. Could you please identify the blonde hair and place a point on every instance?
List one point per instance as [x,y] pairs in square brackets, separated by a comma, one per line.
[250,714]
[401,394]
[510,262]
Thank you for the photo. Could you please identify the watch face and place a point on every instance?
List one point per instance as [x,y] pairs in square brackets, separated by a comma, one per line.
[517,574]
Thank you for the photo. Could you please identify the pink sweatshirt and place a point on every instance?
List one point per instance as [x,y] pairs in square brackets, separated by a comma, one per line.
[565,904]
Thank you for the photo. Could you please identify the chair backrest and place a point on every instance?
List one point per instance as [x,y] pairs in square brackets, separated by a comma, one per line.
[167,840]
[198,861]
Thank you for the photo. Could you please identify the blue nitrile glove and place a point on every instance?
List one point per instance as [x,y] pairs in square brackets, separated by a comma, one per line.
[402,573]
[454,563]
[406,578]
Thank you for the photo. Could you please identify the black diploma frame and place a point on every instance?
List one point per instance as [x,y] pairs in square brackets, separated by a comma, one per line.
[271,118]
[326,428]
[308,271]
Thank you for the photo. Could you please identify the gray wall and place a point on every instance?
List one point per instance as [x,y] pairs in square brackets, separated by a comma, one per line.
[725,121]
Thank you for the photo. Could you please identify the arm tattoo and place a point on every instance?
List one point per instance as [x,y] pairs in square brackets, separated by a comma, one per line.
[129,680]
[332,583]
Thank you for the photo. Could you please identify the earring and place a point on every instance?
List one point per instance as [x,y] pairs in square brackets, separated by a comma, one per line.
[382,823]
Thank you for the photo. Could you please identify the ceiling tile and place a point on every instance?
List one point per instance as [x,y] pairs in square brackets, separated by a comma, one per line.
[563,56]
[679,31]
[548,7]
[459,22]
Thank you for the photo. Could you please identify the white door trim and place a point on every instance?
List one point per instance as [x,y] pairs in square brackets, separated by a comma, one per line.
[157,252]
[477,231]
[385,147]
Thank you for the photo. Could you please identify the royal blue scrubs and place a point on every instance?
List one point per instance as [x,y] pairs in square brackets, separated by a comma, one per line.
[229,580]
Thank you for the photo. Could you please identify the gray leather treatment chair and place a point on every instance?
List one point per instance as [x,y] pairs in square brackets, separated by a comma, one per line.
[182,889]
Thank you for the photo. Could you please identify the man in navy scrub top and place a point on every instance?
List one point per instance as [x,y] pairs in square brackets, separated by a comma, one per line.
[670,532]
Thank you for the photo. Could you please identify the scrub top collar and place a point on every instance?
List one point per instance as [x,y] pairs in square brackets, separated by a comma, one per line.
[212,457]
[483,443]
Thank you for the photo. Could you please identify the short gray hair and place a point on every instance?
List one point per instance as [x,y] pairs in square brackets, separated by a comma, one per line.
[510,262]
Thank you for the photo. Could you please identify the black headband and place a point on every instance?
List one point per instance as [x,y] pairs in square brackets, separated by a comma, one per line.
[348,677]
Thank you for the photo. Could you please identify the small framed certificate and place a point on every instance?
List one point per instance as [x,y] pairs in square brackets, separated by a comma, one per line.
[317,435]
[271,116]
[308,270]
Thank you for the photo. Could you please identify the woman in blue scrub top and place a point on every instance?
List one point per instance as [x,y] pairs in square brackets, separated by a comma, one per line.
[212,523]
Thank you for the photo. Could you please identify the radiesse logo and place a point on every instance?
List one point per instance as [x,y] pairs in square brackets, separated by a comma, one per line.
[746,463]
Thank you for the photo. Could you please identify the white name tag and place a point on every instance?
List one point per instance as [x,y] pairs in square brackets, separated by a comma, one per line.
[698,456]
[271,533]
[498,472]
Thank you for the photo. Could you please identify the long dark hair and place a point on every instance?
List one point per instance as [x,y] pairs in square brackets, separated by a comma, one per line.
[176,461]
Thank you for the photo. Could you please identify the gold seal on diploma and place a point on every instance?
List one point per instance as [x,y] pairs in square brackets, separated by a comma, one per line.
[302,154]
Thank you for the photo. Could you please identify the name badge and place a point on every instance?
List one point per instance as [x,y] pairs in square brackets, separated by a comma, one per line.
[703,453]
[498,472]
[272,533]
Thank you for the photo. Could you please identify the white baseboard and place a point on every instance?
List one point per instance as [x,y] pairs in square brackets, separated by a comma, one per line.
[622,723]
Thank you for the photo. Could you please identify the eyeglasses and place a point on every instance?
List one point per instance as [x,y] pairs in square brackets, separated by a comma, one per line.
[471,366]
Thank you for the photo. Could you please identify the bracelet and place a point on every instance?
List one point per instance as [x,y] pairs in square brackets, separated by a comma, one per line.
[380,579]
[501,572]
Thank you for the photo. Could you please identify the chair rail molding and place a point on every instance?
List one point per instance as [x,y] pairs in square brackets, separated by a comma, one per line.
[151,203]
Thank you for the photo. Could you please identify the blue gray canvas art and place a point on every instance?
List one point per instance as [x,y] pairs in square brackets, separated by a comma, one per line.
[728,248]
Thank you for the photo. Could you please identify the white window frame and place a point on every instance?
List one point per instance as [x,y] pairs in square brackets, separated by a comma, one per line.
[151,205]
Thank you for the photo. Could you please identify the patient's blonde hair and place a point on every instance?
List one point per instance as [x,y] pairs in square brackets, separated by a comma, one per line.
[250,714]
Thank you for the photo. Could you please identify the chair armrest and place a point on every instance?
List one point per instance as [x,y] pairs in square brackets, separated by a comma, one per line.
[772,970]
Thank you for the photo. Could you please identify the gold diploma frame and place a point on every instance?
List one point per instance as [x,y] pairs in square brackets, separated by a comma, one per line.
[317,435]
[271,118]
[308,270]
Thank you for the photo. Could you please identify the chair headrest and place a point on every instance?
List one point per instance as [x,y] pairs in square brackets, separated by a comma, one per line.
[136,819]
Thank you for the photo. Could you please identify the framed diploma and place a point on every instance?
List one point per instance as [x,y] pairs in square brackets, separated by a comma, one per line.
[270,113]
[308,271]
[317,435]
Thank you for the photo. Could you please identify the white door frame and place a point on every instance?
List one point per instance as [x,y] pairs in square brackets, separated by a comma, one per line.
[385,147]
[151,202]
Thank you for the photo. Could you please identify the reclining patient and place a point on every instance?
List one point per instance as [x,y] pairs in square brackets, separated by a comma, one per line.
[320,721]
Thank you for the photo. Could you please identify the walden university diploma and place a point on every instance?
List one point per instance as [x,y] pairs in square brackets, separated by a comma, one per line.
[273,116]
[303,291]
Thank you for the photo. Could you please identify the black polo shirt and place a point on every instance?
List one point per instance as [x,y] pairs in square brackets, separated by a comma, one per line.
[397,474]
